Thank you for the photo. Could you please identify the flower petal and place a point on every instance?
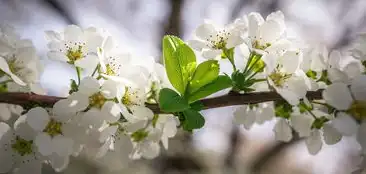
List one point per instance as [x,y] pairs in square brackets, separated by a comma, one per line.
[282,131]
[358,87]
[89,86]
[331,135]
[44,144]
[205,31]
[302,124]
[314,142]
[37,118]
[345,124]
[210,54]
[338,96]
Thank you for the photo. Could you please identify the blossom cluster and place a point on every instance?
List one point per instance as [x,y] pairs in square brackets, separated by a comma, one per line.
[107,114]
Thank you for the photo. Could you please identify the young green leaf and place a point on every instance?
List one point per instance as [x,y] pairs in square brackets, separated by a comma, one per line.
[170,101]
[205,73]
[221,82]
[179,61]
[73,86]
[193,120]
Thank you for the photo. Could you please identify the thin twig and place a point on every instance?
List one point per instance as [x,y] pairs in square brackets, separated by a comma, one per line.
[230,99]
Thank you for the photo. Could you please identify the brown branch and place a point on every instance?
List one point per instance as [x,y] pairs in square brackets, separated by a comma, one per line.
[230,99]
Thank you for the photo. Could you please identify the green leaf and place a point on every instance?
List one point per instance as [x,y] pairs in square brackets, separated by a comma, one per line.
[179,61]
[193,120]
[222,82]
[205,73]
[73,86]
[171,101]
[283,109]
[198,105]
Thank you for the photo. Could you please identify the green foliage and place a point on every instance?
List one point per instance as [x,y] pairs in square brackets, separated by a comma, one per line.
[324,78]
[73,86]
[319,122]
[179,61]
[192,120]
[205,73]
[311,74]
[283,109]
[3,87]
[197,105]
[171,101]
[221,82]
[241,83]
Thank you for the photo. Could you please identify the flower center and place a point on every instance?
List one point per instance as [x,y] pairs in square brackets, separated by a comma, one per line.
[22,146]
[74,54]
[257,45]
[130,97]
[219,40]
[97,100]
[53,128]
[139,135]
[110,71]
[279,78]
[358,109]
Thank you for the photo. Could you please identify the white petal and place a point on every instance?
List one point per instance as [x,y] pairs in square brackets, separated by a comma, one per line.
[59,163]
[76,102]
[44,144]
[361,138]
[336,75]
[112,110]
[244,116]
[290,61]
[314,142]
[282,131]
[334,59]
[345,124]
[88,63]
[22,128]
[108,44]
[210,54]
[33,165]
[72,33]
[89,86]
[234,40]
[6,133]
[204,31]
[142,112]
[150,150]
[338,96]
[302,124]
[5,113]
[197,44]
[6,161]
[93,41]
[63,146]
[37,118]
[56,55]
[270,31]
[109,89]
[5,68]
[358,87]
[331,135]
[255,20]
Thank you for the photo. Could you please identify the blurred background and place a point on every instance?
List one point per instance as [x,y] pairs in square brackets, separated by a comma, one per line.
[221,147]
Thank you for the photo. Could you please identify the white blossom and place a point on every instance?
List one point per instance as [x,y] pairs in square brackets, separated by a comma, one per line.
[75,46]
[18,151]
[211,40]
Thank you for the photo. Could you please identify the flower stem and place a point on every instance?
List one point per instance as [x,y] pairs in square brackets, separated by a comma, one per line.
[78,72]
[95,70]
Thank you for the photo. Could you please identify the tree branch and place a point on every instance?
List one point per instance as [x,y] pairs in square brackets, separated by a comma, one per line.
[231,99]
